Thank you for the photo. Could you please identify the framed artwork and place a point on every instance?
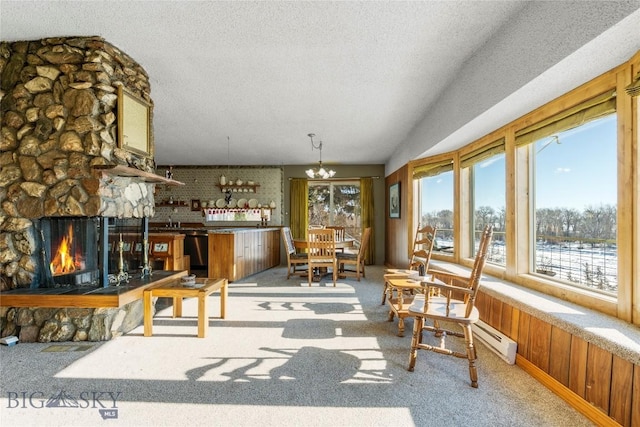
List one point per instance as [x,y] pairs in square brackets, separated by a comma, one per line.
[394,200]
[134,121]
[195,204]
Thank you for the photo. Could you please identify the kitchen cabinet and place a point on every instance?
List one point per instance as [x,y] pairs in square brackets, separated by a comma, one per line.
[237,253]
[168,248]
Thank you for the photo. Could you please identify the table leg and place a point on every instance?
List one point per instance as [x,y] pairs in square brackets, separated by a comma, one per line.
[148,320]
[203,319]
[177,307]
[223,299]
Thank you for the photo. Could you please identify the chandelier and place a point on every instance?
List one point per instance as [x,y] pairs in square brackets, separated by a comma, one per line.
[320,172]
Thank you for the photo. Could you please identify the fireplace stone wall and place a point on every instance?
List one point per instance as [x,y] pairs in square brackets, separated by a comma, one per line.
[59,121]
[36,324]
[58,99]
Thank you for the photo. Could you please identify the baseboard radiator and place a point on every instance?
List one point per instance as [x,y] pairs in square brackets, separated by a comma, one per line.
[496,341]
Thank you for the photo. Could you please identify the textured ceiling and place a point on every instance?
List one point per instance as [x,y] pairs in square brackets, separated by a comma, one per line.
[245,82]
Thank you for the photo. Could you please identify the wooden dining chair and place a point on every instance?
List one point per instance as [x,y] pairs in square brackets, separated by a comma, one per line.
[340,234]
[453,304]
[294,259]
[339,231]
[356,260]
[421,255]
[321,252]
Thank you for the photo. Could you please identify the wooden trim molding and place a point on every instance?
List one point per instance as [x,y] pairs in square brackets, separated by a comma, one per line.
[580,405]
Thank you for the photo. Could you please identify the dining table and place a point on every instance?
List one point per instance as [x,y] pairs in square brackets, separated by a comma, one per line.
[345,243]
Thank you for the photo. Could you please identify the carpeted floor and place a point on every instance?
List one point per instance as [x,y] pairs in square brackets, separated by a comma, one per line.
[286,355]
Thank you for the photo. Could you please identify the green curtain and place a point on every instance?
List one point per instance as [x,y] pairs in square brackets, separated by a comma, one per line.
[366,205]
[299,199]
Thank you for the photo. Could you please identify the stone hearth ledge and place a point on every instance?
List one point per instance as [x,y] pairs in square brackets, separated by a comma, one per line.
[77,313]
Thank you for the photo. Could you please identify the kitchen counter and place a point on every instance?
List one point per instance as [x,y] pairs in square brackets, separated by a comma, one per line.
[207,247]
[206,229]
[241,230]
[235,253]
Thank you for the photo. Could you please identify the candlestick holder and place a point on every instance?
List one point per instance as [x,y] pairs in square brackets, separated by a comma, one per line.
[122,275]
[146,267]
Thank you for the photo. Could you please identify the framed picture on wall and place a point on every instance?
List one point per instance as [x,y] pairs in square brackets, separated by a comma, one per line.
[134,119]
[394,200]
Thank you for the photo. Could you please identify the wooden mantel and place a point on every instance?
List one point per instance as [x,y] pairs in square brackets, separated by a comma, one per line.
[120,170]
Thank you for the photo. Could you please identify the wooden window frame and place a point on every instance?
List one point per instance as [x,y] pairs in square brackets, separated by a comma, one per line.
[518,180]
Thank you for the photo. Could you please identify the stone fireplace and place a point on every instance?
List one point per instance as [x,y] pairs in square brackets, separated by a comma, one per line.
[64,176]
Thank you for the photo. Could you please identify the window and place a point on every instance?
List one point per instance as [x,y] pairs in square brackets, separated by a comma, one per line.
[487,198]
[336,203]
[436,202]
[560,185]
[575,205]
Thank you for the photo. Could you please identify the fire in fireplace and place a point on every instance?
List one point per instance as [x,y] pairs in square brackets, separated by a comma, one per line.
[70,251]
[67,260]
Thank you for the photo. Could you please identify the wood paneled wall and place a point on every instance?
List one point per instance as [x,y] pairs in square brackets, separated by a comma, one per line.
[396,237]
[601,385]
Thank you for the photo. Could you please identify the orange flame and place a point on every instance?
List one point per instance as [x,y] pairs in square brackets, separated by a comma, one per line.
[63,262]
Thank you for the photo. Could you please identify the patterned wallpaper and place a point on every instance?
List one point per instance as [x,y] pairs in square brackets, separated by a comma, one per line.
[200,184]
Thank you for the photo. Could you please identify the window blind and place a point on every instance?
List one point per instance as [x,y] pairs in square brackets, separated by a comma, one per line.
[573,117]
[432,169]
[482,153]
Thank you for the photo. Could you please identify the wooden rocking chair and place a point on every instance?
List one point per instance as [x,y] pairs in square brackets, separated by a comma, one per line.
[421,255]
[455,303]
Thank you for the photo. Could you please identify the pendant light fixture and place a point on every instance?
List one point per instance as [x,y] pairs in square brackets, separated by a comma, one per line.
[320,172]
[227,194]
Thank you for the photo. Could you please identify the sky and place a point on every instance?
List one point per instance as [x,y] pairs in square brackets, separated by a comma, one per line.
[577,172]
[580,170]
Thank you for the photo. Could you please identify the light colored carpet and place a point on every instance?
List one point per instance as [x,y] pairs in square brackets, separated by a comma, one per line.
[286,355]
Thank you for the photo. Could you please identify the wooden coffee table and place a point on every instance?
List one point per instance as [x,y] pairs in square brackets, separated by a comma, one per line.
[176,290]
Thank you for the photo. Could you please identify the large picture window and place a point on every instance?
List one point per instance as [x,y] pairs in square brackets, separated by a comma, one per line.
[487,199]
[560,187]
[336,203]
[436,202]
[575,206]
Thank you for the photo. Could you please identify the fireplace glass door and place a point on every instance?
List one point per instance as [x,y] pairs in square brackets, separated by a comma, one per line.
[125,247]
[70,251]
[99,251]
